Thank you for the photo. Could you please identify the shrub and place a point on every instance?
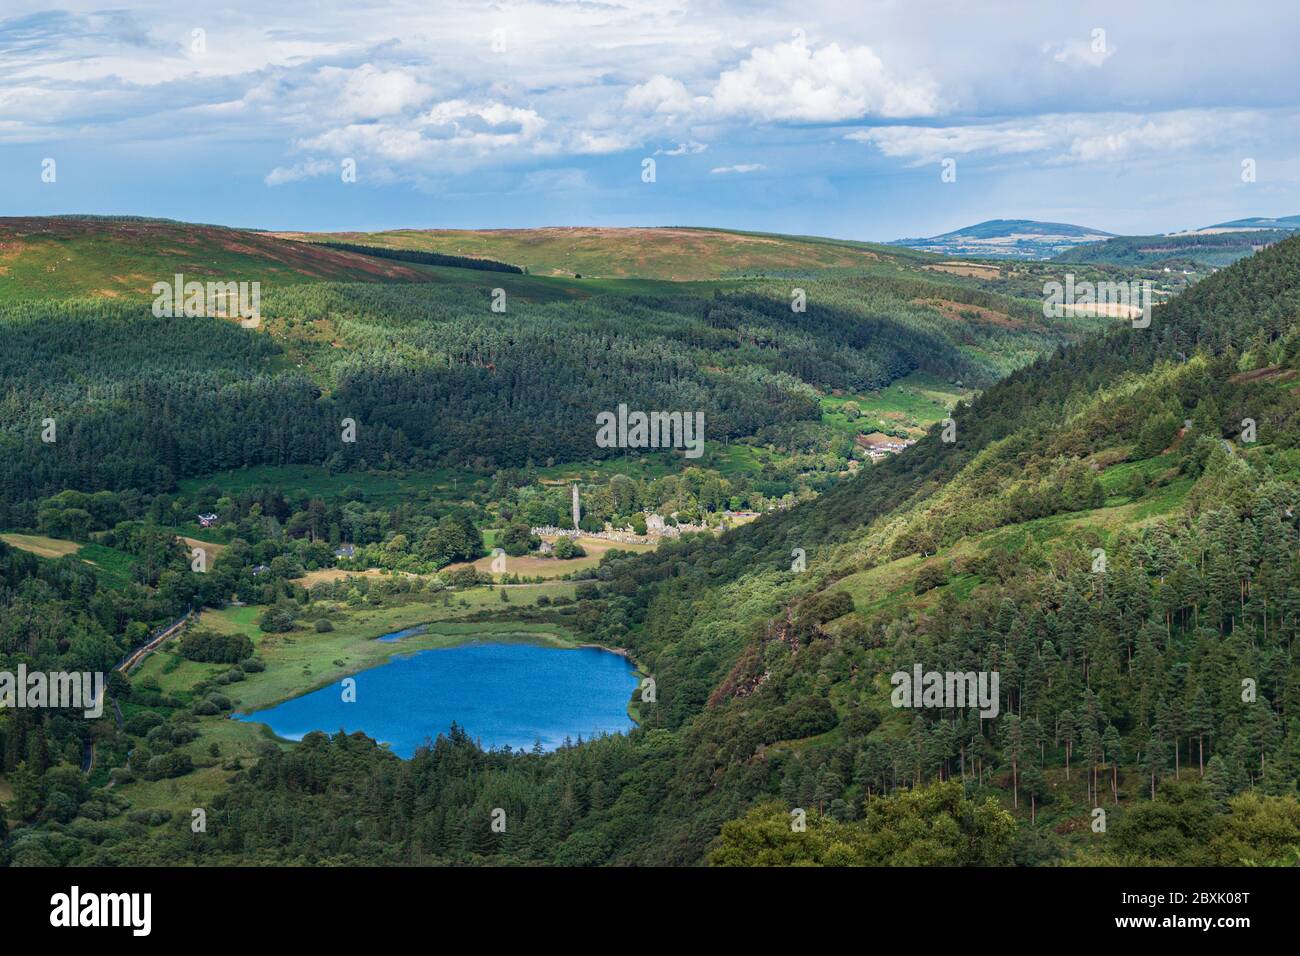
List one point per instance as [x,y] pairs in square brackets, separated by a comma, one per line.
[142,723]
[183,735]
[150,818]
[465,577]
[567,548]
[174,764]
[930,577]
[274,620]
[517,539]
[213,648]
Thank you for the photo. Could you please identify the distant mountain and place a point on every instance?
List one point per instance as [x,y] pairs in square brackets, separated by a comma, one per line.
[1257,222]
[1009,239]
[1199,251]
[1193,250]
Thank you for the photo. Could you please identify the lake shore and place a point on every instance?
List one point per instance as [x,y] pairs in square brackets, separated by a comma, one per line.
[504,693]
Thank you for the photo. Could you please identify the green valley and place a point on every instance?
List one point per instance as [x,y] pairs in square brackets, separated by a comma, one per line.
[903,467]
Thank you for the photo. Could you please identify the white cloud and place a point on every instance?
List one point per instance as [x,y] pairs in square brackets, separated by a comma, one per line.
[1078,52]
[567,179]
[924,144]
[304,170]
[595,142]
[1069,137]
[738,168]
[492,122]
[660,94]
[793,82]
[368,92]
[690,148]
[450,129]
[415,91]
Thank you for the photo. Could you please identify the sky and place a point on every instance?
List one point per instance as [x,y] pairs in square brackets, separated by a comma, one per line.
[810,117]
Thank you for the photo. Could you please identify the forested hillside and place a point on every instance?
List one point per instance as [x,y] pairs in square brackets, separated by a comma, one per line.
[432,375]
[1122,688]
[1198,251]
[1111,526]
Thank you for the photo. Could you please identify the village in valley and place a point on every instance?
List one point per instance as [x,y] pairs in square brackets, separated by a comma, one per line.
[657,527]
[878,445]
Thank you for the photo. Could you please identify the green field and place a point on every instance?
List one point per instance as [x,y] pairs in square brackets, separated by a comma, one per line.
[112,567]
[913,403]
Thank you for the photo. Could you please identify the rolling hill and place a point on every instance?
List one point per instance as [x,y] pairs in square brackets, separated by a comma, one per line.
[1008,239]
[1196,252]
[672,253]
[70,256]
[350,334]
[1257,222]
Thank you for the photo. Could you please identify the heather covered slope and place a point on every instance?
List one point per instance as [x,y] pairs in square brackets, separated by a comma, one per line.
[70,256]
[677,254]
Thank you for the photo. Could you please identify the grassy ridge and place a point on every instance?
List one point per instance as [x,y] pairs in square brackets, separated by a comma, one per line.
[53,258]
[663,253]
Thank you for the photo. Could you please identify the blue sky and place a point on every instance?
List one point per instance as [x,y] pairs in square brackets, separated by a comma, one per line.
[809,117]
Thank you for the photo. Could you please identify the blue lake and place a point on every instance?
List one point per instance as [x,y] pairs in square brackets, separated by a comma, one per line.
[501,694]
